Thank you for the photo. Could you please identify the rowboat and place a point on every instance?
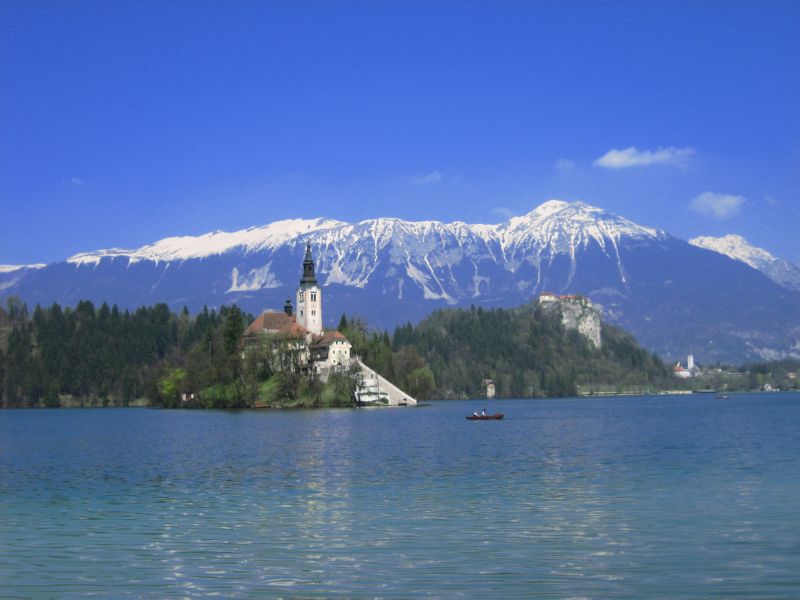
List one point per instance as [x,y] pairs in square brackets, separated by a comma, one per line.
[494,417]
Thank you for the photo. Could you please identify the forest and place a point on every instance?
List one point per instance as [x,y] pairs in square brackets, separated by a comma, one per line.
[102,356]
[526,352]
[90,356]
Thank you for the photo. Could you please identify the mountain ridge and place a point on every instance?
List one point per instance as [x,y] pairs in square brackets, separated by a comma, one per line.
[276,233]
[780,270]
[673,296]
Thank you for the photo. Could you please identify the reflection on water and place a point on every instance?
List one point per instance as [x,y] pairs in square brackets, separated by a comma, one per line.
[633,497]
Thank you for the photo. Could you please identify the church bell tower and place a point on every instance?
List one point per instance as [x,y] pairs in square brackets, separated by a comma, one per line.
[309,297]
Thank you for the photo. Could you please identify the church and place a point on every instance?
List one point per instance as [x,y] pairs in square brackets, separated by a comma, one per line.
[322,351]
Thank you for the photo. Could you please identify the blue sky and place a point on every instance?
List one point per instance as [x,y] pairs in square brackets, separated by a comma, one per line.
[125,122]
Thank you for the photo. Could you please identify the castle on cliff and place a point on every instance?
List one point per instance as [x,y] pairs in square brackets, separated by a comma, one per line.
[577,312]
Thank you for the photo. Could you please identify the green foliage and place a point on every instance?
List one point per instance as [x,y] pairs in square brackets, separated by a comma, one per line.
[525,351]
[171,385]
[420,383]
[100,355]
[374,348]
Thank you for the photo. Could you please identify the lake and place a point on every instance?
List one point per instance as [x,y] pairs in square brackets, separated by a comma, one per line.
[635,497]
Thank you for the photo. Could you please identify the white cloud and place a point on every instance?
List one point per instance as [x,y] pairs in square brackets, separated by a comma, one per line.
[503,211]
[719,206]
[564,165]
[633,157]
[434,177]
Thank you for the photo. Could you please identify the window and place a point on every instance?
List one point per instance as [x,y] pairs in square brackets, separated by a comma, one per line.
[301,296]
[313,313]
[313,297]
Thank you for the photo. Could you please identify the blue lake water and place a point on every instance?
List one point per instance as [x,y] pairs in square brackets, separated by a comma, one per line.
[593,498]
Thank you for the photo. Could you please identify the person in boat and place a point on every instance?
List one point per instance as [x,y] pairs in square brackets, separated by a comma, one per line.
[475,413]
[483,412]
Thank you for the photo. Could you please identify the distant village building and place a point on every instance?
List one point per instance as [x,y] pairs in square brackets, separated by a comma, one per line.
[684,373]
[322,351]
[489,388]
[680,372]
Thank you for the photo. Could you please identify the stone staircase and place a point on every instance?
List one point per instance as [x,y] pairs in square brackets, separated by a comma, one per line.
[374,390]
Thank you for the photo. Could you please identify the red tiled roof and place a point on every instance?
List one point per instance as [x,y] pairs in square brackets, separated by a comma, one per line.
[276,322]
[327,338]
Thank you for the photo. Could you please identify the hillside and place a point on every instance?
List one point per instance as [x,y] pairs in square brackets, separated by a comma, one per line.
[527,352]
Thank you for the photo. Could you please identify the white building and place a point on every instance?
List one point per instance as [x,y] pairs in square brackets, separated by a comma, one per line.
[331,352]
[320,351]
[689,371]
[309,297]
[680,372]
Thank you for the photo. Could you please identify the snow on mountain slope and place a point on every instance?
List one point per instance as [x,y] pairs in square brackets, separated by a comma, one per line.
[561,227]
[445,261]
[736,247]
[10,275]
[565,228]
[555,227]
[217,242]
[13,268]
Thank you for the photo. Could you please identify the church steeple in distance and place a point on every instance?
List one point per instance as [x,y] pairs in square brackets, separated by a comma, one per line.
[308,267]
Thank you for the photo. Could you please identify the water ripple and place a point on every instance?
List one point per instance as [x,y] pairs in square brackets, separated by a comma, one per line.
[625,498]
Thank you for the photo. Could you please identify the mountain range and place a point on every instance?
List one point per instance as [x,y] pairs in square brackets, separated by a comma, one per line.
[707,297]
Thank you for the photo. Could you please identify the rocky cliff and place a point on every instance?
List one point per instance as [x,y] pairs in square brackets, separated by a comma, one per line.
[577,313]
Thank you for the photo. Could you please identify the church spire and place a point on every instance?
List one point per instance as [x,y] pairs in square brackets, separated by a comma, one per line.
[308,267]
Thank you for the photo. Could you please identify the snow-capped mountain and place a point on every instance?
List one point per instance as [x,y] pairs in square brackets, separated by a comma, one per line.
[15,268]
[736,247]
[11,274]
[675,297]
[187,247]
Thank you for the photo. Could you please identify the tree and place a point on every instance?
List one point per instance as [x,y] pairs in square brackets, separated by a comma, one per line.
[420,383]
[234,328]
[257,367]
[171,386]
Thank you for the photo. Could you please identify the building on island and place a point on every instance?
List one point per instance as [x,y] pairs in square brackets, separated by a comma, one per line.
[319,351]
[331,351]
[309,297]
[283,323]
